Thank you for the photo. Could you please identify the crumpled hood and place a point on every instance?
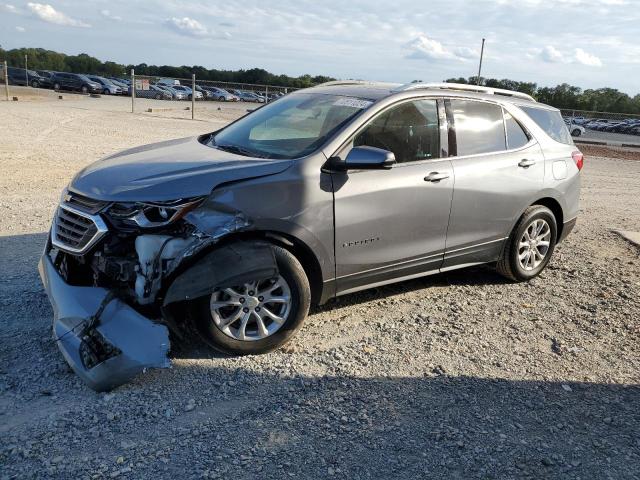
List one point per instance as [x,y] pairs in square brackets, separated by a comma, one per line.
[168,170]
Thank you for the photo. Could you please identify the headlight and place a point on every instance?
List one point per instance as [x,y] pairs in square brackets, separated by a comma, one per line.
[152,214]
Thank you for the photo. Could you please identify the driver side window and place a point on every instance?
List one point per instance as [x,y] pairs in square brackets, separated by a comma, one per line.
[409,130]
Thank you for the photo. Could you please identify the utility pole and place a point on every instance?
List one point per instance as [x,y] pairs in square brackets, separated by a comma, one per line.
[480,66]
[26,72]
[6,80]
[133,91]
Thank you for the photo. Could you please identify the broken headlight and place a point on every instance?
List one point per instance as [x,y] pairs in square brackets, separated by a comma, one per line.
[152,214]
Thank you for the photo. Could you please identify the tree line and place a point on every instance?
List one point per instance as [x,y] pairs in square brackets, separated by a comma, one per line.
[561,96]
[41,59]
[565,96]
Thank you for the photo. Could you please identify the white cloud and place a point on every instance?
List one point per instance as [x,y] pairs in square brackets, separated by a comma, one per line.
[587,59]
[550,54]
[423,47]
[20,29]
[10,8]
[110,16]
[47,13]
[187,26]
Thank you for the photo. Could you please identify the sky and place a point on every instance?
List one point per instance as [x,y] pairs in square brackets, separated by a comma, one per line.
[587,43]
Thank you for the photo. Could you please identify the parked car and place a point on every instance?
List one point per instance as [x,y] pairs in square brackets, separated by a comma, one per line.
[327,191]
[222,95]
[175,94]
[20,76]
[108,87]
[168,81]
[247,96]
[206,94]
[74,82]
[575,130]
[154,92]
[187,91]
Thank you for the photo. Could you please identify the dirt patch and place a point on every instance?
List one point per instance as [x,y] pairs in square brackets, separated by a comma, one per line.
[610,152]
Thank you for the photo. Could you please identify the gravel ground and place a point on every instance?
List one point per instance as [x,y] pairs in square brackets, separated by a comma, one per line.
[459,375]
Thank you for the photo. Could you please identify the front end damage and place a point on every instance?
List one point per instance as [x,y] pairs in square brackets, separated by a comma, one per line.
[111,270]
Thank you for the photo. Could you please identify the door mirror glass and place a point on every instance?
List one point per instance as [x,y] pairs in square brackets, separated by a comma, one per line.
[369,158]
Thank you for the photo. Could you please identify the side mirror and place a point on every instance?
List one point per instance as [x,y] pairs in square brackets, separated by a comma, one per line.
[369,158]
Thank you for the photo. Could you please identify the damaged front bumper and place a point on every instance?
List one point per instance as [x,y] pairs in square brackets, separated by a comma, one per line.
[105,341]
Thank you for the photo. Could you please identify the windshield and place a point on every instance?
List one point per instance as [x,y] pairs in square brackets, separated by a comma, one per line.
[292,127]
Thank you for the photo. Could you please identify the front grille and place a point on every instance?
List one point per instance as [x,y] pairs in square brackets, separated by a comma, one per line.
[75,231]
[83,203]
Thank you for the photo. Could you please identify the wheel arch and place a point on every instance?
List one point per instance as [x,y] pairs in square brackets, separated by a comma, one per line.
[297,247]
[555,207]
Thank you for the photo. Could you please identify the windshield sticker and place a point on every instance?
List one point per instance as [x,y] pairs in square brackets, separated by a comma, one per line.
[352,102]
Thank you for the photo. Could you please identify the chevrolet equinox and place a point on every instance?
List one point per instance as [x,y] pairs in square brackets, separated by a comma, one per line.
[324,192]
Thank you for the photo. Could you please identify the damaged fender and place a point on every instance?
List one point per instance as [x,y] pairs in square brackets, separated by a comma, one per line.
[227,266]
[105,341]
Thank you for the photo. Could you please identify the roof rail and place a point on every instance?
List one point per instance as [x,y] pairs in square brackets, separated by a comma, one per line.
[344,82]
[465,87]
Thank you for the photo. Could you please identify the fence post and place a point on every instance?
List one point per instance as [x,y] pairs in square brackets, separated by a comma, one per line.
[266,94]
[133,91]
[6,79]
[193,96]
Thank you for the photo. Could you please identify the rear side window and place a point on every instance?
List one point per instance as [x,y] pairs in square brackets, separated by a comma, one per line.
[479,127]
[551,122]
[516,136]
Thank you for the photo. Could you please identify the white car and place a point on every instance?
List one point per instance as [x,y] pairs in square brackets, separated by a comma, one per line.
[575,129]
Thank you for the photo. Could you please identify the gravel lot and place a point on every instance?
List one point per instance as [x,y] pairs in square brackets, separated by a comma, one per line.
[453,376]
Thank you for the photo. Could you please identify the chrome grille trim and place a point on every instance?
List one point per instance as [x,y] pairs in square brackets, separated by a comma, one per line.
[75,231]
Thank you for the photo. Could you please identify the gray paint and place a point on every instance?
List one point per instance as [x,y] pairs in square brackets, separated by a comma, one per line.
[142,342]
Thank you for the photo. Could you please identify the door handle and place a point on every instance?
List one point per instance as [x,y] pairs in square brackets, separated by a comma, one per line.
[436,177]
[526,163]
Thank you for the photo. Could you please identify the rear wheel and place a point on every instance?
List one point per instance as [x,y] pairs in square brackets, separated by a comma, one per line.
[221,99]
[85,89]
[530,246]
[56,86]
[260,315]
[35,84]
[576,132]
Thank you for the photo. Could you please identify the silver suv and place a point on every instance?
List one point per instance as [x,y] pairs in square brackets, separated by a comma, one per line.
[324,192]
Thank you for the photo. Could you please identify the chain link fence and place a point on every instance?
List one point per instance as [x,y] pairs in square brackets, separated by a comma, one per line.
[603,127]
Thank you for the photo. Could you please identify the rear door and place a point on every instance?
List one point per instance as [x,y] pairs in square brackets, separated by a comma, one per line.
[499,169]
[392,224]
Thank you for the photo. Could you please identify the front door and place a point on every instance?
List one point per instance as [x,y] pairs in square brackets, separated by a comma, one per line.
[392,224]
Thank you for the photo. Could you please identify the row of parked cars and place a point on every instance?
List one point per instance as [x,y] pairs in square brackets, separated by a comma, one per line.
[629,126]
[163,89]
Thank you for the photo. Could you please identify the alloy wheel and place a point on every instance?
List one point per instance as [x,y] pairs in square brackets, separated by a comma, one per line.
[534,244]
[253,311]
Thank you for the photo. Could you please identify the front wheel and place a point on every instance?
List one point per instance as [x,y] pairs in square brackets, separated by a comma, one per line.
[530,246]
[259,316]
[56,86]
[35,84]
[85,89]
[576,133]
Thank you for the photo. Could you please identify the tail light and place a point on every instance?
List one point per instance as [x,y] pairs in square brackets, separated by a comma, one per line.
[578,157]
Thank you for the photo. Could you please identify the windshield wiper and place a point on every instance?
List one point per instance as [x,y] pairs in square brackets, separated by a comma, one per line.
[239,150]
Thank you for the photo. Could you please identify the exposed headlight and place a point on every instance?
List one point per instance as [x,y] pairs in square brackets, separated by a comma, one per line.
[152,214]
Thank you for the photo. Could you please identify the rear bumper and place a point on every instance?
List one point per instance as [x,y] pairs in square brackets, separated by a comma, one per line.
[106,351]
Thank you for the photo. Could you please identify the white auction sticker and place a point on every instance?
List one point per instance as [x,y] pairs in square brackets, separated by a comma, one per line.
[352,102]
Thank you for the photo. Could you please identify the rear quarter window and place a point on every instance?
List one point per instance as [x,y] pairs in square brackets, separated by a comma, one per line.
[551,122]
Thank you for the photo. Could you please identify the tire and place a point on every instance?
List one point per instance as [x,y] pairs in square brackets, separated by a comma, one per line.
[35,84]
[84,89]
[158,97]
[510,265]
[106,91]
[292,272]
[576,133]
[221,99]
[56,86]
